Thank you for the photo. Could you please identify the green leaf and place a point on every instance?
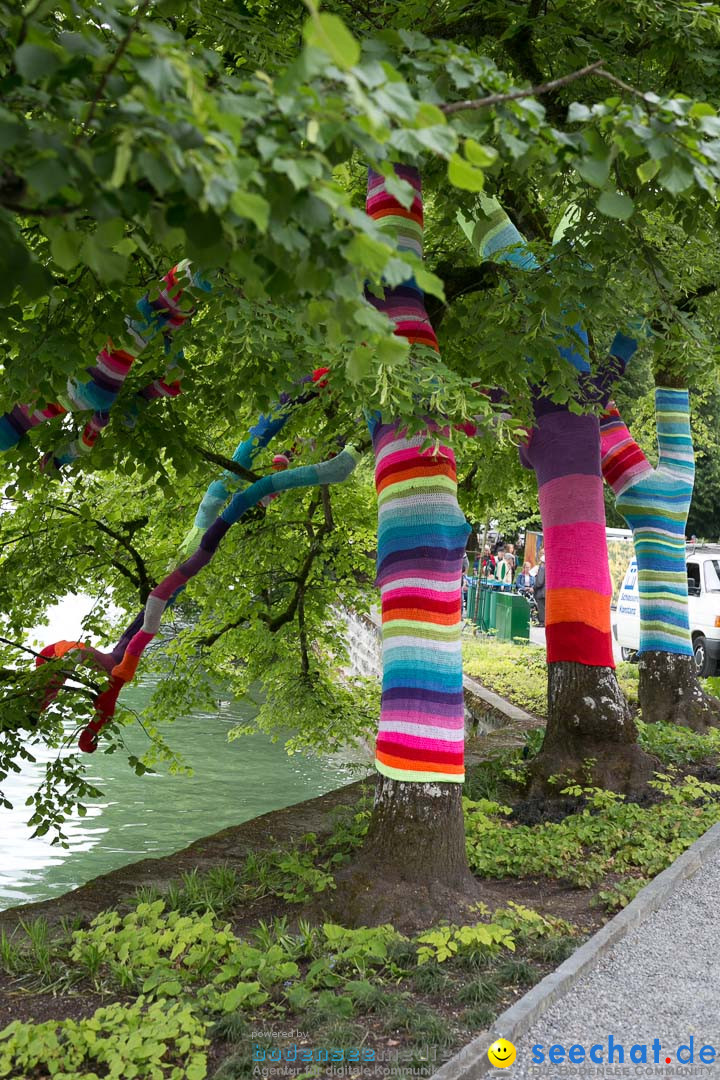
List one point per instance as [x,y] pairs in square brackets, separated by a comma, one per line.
[158,73]
[484,156]
[65,248]
[647,170]
[594,170]
[47,176]
[429,116]
[249,205]
[35,61]
[359,363]
[462,174]
[615,205]
[675,178]
[123,157]
[702,108]
[329,33]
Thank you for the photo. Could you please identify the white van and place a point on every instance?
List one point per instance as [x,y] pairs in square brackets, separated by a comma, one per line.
[703,571]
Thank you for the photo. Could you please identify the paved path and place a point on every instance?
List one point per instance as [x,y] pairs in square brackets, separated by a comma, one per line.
[661,982]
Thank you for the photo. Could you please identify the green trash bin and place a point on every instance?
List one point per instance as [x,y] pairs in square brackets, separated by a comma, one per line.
[513,617]
[486,609]
[471,608]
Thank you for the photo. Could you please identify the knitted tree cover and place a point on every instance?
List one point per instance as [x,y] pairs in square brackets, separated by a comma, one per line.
[655,503]
[112,365]
[564,451]
[144,628]
[421,541]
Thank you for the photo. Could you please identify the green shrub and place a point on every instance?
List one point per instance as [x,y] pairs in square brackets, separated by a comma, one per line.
[608,835]
[160,1040]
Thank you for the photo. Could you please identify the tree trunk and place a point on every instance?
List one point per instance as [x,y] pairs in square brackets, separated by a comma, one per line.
[670,692]
[655,504]
[590,735]
[412,869]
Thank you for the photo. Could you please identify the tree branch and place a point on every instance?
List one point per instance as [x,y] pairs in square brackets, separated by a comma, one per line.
[226,463]
[145,583]
[145,4]
[534,91]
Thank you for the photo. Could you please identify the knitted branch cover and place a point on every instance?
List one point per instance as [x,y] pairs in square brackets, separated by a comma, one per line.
[112,365]
[655,503]
[144,628]
[421,541]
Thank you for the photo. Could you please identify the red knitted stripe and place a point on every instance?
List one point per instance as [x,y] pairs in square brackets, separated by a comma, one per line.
[580,644]
[448,757]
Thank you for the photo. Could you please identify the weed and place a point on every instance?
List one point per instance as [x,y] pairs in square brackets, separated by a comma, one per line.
[11,959]
[429,978]
[483,991]
[479,1017]
[342,1033]
[518,973]
[366,996]
[232,1028]
[554,950]
[429,1027]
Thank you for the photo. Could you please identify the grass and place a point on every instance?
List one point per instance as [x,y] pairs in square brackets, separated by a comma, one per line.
[518,672]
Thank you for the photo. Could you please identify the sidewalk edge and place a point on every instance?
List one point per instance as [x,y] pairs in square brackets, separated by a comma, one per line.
[472,1061]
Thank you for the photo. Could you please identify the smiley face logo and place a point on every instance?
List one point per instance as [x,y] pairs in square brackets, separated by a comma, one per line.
[501,1054]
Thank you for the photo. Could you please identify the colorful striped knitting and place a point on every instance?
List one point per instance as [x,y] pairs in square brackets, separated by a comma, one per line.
[655,503]
[421,541]
[564,451]
[144,627]
[245,453]
[98,394]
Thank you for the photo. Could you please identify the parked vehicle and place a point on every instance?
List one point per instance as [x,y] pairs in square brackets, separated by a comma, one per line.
[703,571]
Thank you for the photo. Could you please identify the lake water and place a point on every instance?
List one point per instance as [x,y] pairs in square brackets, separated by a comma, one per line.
[159,813]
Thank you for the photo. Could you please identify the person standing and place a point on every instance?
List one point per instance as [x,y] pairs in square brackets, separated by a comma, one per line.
[504,570]
[540,589]
[487,563]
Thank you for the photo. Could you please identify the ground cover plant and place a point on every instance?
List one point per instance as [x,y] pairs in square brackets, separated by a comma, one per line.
[189,982]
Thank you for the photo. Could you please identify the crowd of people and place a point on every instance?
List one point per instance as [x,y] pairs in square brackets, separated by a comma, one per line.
[498,568]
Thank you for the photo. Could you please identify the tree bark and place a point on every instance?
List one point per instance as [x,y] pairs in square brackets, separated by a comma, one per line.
[670,692]
[412,869]
[590,735]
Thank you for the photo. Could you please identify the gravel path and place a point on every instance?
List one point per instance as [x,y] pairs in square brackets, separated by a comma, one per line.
[661,982]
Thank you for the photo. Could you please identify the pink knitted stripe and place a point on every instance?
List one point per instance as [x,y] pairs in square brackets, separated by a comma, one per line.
[419,742]
[141,640]
[579,557]
[576,497]
[414,717]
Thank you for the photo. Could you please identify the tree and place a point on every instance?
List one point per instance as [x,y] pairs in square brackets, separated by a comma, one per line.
[140,137]
[655,503]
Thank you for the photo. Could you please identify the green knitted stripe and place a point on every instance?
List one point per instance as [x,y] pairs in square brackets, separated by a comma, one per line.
[659,626]
[418,777]
[409,628]
[430,485]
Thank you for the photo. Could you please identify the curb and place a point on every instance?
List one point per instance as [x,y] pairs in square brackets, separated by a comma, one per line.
[472,1061]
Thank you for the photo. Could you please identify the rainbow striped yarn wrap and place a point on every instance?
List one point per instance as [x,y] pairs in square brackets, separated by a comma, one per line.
[421,541]
[655,503]
[564,451]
